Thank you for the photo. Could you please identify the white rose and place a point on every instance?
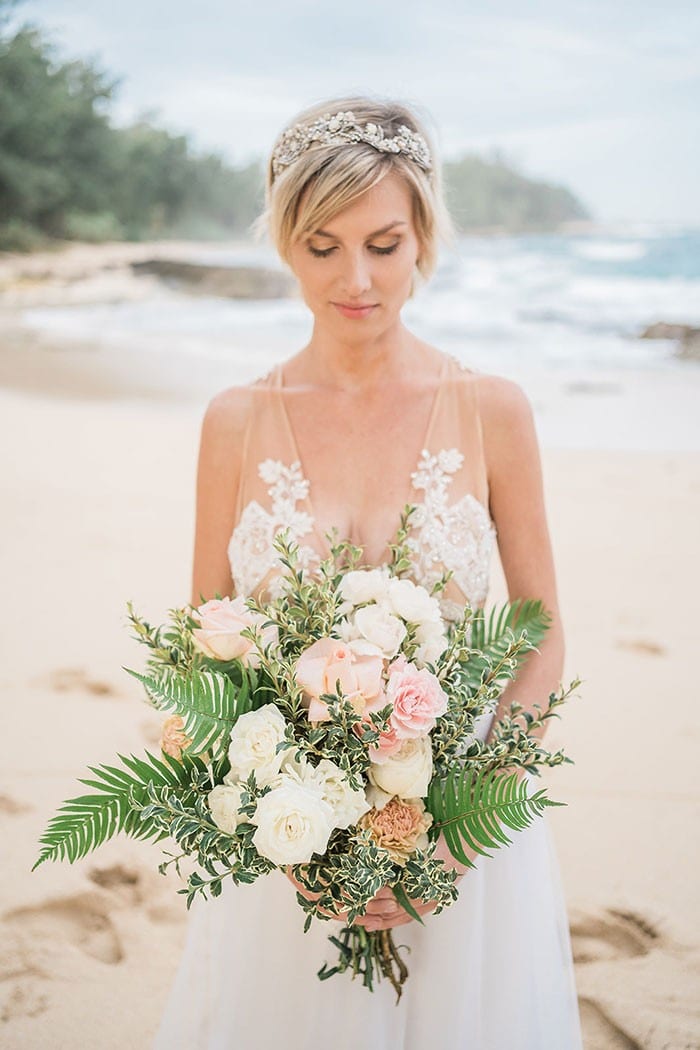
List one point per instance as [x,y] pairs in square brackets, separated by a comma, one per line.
[347,805]
[412,602]
[376,797]
[378,625]
[432,642]
[253,747]
[364,585]
[293,822]
[407,773]
[224,802]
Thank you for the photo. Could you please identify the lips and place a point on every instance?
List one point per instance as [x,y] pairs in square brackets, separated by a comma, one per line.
[355,309]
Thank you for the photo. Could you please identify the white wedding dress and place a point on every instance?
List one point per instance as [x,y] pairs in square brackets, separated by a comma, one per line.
[492,972]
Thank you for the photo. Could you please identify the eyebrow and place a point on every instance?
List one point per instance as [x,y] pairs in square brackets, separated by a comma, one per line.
[384,229]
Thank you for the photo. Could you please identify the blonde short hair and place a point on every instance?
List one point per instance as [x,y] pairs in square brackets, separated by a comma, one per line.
[335,175]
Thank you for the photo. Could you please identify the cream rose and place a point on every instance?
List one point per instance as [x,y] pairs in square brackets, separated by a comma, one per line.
[364,585]
[407,773]
[412,602]
[378,625]
[219,635]
[293,822]
[224,802]
[253,747]
[348,805]
[432,642]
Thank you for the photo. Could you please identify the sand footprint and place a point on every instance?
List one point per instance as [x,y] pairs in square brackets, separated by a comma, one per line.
[125,883]
[65,679]
[81,920]
[614,934]
[641,645]
[11,807]
[600,1031]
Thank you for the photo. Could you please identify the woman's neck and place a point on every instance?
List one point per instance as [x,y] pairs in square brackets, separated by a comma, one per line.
[352,367]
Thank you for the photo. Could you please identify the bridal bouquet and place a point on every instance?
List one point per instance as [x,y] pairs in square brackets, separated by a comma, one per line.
[329,733]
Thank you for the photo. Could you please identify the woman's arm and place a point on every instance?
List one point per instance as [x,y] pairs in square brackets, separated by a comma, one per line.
[518,510]
[218,477]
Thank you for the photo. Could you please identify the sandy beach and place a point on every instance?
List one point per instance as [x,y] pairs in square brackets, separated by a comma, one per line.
[98,469]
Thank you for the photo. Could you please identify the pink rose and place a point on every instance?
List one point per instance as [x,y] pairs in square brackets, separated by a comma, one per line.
[219,635]
[418,699]
[357,665]
[388,744]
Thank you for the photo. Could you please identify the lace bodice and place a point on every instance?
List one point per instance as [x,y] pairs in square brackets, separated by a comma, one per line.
[454,534]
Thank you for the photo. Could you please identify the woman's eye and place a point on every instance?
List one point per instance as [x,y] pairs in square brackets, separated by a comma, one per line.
[323,252]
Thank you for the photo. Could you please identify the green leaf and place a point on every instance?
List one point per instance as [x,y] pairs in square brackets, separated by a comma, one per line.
[405,902]
[84,823]
[208,703]
[473,810]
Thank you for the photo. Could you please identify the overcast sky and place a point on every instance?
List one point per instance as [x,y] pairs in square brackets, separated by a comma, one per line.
[603,97]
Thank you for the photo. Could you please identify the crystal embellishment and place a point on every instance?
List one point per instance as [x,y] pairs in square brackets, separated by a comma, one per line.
[340,128]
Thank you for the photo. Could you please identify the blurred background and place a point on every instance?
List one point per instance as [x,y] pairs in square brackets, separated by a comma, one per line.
[132,145]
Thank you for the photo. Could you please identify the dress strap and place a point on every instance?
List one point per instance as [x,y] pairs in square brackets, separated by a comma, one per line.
[482,470]
[253,410]
[471,429]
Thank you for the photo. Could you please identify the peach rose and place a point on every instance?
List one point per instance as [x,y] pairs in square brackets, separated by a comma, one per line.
[400,827]
[172,737]
[418,699]
[357,665]
[219,634]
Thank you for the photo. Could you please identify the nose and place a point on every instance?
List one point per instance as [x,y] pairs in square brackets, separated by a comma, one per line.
[355,275]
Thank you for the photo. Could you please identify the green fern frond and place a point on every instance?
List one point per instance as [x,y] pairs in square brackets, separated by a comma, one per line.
[472,810]
[208,703]
[493,635]
[84,823]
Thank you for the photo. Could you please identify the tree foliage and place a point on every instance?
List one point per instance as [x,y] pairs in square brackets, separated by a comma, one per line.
[67,172]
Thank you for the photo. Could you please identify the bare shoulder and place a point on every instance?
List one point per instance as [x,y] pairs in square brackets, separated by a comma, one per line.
[508,424]
[503,403]
[228,412]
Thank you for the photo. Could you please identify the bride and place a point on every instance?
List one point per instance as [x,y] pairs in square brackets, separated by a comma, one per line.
[363,419]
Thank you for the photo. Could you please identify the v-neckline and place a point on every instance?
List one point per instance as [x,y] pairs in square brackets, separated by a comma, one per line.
[279,388]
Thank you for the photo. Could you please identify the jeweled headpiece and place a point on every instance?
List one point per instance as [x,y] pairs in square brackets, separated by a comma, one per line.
[338,128]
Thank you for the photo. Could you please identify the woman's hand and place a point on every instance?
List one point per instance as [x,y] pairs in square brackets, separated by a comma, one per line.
[384,911]
[382,907]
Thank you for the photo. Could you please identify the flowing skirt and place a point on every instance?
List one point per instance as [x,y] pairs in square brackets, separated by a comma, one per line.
[492,972]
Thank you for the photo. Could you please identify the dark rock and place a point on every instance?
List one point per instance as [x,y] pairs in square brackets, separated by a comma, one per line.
[686,335]
[229,282]
[663,330]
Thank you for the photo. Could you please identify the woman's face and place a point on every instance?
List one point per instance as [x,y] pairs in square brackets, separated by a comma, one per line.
[364,257]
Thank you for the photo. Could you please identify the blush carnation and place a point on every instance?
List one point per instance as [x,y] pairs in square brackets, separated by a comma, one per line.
[417,697]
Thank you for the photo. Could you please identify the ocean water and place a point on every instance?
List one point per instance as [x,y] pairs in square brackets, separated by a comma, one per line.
[561,314]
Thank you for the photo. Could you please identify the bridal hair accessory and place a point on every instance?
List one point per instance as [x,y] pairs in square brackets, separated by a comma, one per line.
[338,128]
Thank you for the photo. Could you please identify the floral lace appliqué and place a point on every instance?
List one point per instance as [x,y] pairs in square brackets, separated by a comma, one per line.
[251,554]
[459,536]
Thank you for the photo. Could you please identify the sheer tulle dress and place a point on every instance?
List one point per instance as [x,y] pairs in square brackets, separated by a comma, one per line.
[492,972]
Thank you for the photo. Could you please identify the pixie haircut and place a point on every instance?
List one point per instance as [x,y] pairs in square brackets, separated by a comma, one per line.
[326,178]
